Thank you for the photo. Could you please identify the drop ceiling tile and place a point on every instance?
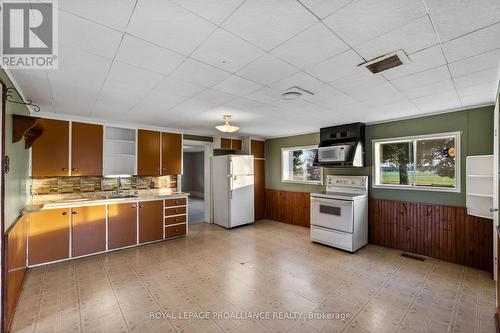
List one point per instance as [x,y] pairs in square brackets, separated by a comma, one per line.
[439,102]
[422,79]
[226,51]
[199,73]
[34,85]
[168,25]
[132,75]
[410,38]
[472,79]
[337,102]
[475,64]
[179,87]
[431,89]
[267,70]
[150,57]
[88,36]
[488,89]
[157,102]
[337,67]
[323,8]
[215,11]
[115,90]
[268,23]
[214,97]
[265,95]
[373,18]
[108,106]
[363,77]
[112,13]
[310,47]
[76,60]
[455,18]
[237,86]
[477,99]
[420,61]
[478,42]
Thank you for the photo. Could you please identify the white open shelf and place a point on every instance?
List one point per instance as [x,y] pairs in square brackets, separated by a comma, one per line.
[120,151]
[479,197]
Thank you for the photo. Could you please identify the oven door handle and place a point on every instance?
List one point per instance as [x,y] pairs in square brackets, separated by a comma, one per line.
[333,202]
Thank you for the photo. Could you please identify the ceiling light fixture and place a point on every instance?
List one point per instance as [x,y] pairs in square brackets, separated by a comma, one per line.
[227,127]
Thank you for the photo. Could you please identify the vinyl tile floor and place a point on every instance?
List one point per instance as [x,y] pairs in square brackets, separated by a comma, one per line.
[265,277]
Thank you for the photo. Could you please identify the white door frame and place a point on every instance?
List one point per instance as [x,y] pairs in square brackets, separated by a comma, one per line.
[207,158]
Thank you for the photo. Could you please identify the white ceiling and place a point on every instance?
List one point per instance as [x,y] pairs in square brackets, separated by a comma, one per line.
[185,63]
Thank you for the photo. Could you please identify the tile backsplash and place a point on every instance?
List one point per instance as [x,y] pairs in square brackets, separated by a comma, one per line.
[88,185]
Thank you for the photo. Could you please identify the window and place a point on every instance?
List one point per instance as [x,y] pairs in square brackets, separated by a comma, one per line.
[427,162]
[297,165]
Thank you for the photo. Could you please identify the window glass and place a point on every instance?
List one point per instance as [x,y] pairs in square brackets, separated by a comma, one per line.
[297,165]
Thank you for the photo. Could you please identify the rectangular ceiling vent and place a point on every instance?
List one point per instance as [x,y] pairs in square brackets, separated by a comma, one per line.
[386,62]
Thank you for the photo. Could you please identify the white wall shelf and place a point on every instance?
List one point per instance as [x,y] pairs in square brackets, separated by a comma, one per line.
[479,178]
[120,147]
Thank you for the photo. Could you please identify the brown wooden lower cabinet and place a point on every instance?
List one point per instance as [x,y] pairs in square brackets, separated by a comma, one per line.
[150,221]
[15,239]
[88,230]
[48,236]
[175,211]
[175,231]
[259,189]
[122,225]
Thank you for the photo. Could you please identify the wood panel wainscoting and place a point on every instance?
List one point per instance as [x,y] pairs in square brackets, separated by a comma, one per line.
[437,231]
[15,243]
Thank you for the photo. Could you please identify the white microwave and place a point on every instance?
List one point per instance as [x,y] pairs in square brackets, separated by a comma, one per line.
[336,153]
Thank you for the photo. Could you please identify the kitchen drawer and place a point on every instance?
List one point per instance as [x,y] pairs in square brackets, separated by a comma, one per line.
[175,219]
[175,231]
[175,202]
[176,211]
[338,239]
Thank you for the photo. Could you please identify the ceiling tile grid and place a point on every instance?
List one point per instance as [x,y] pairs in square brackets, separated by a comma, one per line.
[189,62]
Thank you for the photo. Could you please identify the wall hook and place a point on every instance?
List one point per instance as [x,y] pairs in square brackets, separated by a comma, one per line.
[9,96]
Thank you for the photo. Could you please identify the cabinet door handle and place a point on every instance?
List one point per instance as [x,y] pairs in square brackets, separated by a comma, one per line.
[163,169]
[74,213]
[141,206]
[74,169]
[134,206]
[65,213]
[64,169]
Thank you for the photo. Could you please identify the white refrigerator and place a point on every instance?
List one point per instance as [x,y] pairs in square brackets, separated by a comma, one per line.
[233,190]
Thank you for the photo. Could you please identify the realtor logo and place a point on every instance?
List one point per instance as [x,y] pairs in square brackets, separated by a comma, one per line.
[29,34]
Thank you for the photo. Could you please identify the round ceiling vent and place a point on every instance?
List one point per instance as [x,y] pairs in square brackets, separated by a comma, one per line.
[291,95]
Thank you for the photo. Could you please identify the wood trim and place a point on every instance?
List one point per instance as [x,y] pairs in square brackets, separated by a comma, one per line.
[288,207]
[437,231]
[3,256]
[15,241]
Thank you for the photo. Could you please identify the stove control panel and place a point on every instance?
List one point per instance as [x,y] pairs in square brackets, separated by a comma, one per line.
[347,181]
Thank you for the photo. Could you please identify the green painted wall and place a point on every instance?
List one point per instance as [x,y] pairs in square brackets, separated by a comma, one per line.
[476,126]
[16,181]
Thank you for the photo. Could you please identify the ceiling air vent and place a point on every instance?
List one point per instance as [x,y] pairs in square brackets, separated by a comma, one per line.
[294,93]
[386,62]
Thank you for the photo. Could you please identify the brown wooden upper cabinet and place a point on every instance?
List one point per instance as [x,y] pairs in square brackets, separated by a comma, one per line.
[226,143]
[150,221]
[148,153]
[257,148]
[88,230]
[154,147]
[48,236]
[122,225]
[171,154]
[50,152]
[86,149]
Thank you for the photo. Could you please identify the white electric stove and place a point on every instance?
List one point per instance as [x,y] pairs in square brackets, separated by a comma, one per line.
[339,216]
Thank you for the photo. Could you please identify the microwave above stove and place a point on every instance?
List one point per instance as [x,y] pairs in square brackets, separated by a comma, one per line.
[341,146]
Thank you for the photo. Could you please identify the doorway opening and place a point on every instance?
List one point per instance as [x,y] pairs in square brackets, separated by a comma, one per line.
[196,181]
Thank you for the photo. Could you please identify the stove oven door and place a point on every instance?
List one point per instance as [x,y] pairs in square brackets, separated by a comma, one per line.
[332,214]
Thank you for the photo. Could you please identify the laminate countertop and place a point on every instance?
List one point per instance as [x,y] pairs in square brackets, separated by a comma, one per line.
[38,205]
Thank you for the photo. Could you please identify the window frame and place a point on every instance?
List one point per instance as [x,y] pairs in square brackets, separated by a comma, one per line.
[292,181]
[376,159]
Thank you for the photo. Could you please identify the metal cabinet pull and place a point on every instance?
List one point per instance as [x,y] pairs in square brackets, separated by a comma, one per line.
[64,169]
[74,169]
[134,206]
[74,213]
[141,206]
[65,213]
